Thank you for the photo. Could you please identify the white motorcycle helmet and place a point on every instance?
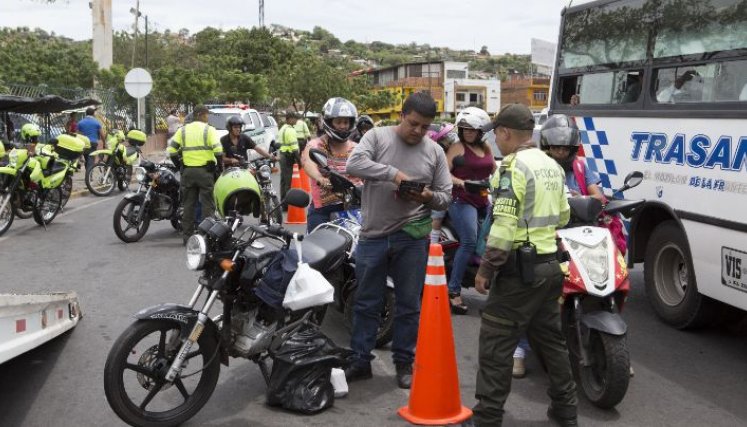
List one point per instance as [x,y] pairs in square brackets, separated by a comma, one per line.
[472,118]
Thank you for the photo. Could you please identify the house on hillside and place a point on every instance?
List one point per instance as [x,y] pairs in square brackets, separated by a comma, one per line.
[532,91]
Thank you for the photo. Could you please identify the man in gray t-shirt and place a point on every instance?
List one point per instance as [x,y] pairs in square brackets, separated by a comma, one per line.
[396,226]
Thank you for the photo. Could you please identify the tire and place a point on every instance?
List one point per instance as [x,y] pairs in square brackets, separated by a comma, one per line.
[18,208]
[670,280]
[124,184]
[7,214]
[47,206]
[606,381]
[67,189]
[386,329]
[127,353]
[95,179]
[277,216]
[124,220]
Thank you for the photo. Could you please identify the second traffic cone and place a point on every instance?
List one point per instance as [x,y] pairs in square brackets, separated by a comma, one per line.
[296,215]
[434,395]
[305,183]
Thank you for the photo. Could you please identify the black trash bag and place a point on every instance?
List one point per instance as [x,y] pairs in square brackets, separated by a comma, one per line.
[301,369]
[273,284]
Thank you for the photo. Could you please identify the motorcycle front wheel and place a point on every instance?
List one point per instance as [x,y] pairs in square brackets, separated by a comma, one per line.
[47,206]
[605,381]
[7,214]
[126,224]
[135,370]
[67,189]
[21,210]
[101,179]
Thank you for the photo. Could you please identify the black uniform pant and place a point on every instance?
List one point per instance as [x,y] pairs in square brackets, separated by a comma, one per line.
[287,160]
[512,309]
[196,183]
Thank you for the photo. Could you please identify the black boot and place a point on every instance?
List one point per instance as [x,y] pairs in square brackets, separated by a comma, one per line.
[563,417]
[404,375]
[358,371]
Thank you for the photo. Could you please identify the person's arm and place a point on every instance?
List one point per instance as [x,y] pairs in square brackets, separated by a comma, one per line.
[312,170]
[102,134]
[592,185]
[361,163]
[454,151]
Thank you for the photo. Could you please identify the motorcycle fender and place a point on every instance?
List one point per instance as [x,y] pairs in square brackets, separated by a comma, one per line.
[55,180]
[181,314]
[138,197]
[604,321]
[8,170]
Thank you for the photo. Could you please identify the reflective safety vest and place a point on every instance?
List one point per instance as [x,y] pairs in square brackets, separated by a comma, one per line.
[302,130]
[288,139]
[529,201]
[197,143]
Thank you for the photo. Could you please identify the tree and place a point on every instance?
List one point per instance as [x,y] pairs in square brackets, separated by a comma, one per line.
[484,51]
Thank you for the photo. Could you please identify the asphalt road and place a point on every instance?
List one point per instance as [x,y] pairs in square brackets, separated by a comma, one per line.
[681,378]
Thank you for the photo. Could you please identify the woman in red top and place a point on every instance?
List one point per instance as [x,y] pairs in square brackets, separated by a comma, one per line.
[466,208]
[71,126]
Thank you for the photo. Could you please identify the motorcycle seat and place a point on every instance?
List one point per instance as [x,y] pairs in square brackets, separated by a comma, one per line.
[323,249]
[56,168]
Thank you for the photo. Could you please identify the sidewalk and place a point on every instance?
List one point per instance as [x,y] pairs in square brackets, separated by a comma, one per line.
[79,179]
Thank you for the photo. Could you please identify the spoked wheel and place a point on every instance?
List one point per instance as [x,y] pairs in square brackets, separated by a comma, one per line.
[23,210]
[101,179]
[386,328]
[176,220]
[135,371]
[67,189]
[6,213]
[124,183]
[130,224]
[47,206]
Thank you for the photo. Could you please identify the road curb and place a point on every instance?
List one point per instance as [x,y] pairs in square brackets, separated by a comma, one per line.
[79,193]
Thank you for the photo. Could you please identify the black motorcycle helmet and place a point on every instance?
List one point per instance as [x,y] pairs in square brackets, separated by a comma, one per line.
[560,131]
[234,121]
[364,122]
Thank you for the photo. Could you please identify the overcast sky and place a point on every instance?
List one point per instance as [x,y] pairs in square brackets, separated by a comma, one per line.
[502,25]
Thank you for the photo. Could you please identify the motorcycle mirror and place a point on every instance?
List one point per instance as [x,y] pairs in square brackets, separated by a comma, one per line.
[632,180]
[318,157]
[297,197]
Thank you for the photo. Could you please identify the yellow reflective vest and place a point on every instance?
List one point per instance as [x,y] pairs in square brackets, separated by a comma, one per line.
[302,130]
[288,139]
[197,143]
[529,202]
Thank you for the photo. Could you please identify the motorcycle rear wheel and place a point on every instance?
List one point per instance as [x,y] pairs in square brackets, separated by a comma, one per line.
[386,329]
[606,380]
[97,181]
[135,370]
[125,220]
[6,215]
[47,206]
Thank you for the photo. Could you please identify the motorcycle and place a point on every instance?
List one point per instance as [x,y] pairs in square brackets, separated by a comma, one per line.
[164,367]
[594,293]
[115,169]
[33,183]
[262,169]
[348,223]
[157,198]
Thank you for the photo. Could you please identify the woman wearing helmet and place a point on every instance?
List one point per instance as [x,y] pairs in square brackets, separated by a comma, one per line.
[30,133]
[559,138]
[475,163]
[338,123]
[363,125]
[236,144]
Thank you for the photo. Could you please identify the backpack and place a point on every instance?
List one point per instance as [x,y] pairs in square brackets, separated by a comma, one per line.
[611,222]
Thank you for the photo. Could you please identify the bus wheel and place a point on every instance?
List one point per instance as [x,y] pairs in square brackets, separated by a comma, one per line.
[670,280]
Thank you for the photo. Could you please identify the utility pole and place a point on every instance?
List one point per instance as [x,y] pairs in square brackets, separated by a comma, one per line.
[101,14]
[136,12]
[261,13]
[146,41]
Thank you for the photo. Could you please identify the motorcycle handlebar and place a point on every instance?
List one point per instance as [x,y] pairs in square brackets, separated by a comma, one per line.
[275,231]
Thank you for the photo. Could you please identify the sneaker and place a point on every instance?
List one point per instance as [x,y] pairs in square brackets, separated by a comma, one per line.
[563,420]
[520,369]
[358,371]
[404,375]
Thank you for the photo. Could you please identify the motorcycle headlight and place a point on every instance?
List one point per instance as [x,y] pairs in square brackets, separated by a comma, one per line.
[196,252]
[594,259]
[140,174]
[265,171]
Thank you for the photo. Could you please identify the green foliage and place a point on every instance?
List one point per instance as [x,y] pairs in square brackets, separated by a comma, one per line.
[181,85]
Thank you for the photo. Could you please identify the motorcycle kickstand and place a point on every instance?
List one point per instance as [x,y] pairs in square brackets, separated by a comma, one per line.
[262,362]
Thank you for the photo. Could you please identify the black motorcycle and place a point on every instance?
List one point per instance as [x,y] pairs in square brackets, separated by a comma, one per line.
[164,367]
[157,198]
[263,168]
[348,223]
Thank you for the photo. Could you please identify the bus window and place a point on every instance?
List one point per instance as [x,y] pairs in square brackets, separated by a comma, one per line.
[716,82]
[616,87]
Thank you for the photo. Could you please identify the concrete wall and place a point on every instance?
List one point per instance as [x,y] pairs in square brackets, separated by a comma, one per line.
[101,11]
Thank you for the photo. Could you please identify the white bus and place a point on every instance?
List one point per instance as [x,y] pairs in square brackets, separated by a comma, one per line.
[660,86]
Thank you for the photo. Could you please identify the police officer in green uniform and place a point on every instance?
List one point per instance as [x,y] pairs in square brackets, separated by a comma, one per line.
[303,134]
[197,148]
[289,152]
[521,270]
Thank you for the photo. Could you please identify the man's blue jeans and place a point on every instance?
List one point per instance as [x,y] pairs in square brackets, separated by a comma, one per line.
[316,216]
[464,217]
[403,259]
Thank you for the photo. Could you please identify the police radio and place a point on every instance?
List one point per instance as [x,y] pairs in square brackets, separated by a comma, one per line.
[526,259]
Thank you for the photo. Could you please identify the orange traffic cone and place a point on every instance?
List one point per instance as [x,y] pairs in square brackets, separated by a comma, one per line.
[296,215]
[305,183]
[434,396]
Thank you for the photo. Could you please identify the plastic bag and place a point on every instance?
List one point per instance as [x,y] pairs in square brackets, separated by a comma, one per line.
[308,288]
[301,371]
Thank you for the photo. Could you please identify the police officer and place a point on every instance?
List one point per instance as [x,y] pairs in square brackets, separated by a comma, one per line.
[289,152]
[303,134]
[200,150]
[521,263]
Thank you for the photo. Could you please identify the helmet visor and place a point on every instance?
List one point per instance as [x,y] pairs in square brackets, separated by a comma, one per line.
[562,136]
